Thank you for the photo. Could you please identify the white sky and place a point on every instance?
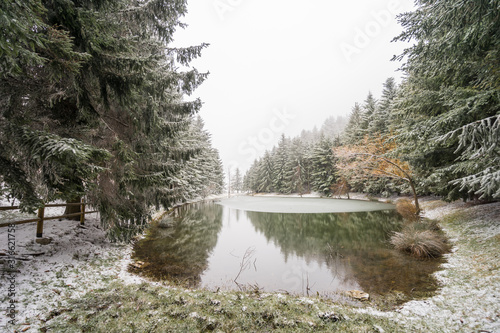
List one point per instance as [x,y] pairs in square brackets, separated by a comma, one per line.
[280,66]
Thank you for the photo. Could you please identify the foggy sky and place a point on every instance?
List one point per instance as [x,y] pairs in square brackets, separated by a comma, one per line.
[280,66]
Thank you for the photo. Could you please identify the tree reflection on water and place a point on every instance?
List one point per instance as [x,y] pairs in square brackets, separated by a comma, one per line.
[180,251]
[357,240]
[352,247]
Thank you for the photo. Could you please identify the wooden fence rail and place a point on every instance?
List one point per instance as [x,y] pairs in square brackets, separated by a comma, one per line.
[41,216]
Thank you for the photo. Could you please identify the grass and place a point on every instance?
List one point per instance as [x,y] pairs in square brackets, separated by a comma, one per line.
[468,299]
[148,308]
[407,209]
[465,304]
[420,240]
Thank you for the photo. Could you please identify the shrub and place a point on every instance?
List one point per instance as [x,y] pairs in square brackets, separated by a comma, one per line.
[407,209]
[420,242]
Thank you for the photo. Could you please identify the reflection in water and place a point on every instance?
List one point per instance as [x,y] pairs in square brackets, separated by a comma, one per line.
[211,245]
[179,252]
[358,240]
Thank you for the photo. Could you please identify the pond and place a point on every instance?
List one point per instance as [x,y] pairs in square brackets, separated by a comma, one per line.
[299,245]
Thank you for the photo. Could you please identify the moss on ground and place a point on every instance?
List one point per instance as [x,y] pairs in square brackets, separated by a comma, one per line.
[149,308]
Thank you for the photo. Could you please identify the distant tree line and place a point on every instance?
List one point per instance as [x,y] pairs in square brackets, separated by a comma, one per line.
[438,131]
[299,165]
[93,104]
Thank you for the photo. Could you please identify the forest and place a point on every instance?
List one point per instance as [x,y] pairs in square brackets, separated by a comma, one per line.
[435,133]
[96,105]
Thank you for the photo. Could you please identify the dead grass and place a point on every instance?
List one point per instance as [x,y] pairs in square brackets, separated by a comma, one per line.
[406,208]
[420,241]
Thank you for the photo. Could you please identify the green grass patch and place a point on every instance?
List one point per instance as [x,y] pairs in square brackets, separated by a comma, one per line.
[148,308]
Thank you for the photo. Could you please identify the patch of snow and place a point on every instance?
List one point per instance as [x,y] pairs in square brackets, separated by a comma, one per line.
[304,300]
[79,259]
[469,299]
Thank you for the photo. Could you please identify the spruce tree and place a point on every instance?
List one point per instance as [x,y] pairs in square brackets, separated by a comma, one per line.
[368,113]
[449,109]
[381,119]
[265,172]
[92,86]
[201,175]
[353,132]
[324,171]
[297,168]
[333,127]
[237,181]
[251,176]
[280,161]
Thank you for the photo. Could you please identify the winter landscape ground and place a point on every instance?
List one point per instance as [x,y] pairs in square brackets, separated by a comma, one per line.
[80,282]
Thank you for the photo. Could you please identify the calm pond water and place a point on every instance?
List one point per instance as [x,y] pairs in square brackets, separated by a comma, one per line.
[217,245]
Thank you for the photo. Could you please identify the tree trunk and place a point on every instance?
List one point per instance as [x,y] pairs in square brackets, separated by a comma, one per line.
[415,197]
[73,209]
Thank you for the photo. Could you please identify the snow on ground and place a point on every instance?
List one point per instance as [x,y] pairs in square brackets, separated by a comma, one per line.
[469,299]
[80,259]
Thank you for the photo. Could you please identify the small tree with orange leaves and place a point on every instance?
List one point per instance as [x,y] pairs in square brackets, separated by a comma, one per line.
[372,158]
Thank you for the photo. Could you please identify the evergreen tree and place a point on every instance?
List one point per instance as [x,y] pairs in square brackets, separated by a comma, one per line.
[265,172]
[333,127]
[353,132]
[298,168]
[450,102]
[201,175]
[382,117]
[237,181]
[368,113]
[92,87]
[280,159]
[251,177]
[324,171]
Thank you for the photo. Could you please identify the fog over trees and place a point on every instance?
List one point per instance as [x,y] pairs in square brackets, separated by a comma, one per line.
[441,125]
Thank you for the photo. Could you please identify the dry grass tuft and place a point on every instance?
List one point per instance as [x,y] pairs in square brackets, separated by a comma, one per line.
[427,224]
[420,242]
[407,209]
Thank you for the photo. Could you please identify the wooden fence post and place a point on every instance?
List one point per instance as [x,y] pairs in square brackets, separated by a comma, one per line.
[82,217]
[39,224]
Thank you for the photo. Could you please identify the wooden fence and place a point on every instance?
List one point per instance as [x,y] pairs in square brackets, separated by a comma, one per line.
[41,216]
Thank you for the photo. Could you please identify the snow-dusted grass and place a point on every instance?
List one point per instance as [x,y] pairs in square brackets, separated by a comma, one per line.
[80,280]
[78,260]
[469,300]
[147,308]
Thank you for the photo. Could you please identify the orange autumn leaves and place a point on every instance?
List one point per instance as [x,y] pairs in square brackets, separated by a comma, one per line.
[373,157]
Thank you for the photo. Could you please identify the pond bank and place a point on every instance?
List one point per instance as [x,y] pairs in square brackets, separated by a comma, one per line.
[81,280]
